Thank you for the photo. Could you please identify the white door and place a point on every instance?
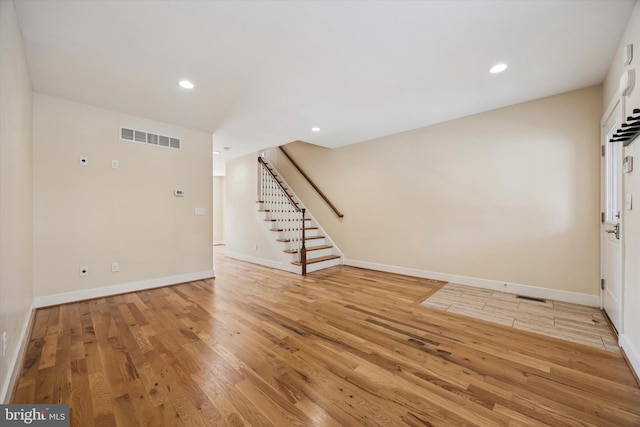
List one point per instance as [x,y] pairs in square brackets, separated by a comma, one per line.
[611,245]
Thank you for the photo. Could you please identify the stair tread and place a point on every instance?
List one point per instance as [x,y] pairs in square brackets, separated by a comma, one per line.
[278,203]
[297,229]
[297,219]
[319,259]
[309,249]
[285,203]
[306,238]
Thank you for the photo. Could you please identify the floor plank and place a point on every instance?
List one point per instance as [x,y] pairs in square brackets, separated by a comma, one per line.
[342,346]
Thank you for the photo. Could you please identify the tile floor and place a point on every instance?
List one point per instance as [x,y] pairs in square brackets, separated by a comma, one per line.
[572,322]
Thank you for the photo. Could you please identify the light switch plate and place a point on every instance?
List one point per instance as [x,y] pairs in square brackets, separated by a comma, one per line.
[628,202]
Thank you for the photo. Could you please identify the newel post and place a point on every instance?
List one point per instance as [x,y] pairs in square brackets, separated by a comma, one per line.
[303,248]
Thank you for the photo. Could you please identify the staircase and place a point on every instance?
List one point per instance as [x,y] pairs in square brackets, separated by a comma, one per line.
[307,248]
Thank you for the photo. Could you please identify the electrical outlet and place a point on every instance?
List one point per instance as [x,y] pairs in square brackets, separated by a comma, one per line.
[84,271]
[115,164]
[4,344]
[115,267]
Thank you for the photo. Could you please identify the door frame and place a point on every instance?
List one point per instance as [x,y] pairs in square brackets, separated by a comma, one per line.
[617,100]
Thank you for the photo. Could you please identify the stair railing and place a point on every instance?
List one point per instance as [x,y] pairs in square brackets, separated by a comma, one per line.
[315,187]
[284,211]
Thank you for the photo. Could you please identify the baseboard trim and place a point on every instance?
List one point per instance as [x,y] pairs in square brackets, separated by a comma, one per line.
[631,355]
[255,260]
[514,288]
[67,297]
[9,386]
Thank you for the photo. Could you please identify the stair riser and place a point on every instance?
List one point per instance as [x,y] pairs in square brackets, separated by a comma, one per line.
[325,264]
[314,254]
[315,242]
[308,243]
[276,207]
[308,233]
[271,215]
[274,204]
[310,253]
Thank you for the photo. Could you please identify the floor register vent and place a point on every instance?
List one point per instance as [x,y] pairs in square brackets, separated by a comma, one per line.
[142,137]
[531,298]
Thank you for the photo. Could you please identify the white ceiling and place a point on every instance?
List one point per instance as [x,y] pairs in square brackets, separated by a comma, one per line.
[267,71]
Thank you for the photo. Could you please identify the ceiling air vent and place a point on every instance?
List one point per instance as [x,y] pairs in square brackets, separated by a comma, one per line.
[143,137]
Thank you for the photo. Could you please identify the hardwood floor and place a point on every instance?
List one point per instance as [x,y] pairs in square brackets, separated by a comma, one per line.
[344,346]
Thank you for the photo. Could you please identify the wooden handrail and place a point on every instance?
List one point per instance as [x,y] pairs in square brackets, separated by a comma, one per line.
[315,187]
[293,203]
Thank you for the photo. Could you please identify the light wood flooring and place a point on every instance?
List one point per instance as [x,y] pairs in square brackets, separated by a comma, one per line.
[573,322]
[340,347]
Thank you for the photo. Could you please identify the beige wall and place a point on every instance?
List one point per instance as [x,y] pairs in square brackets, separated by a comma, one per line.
[509,195]
[218,209]
[94,215]
[16,218]
[245,235]
[630,335]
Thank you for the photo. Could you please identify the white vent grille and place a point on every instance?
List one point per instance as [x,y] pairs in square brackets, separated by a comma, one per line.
[126,134]
[142,137]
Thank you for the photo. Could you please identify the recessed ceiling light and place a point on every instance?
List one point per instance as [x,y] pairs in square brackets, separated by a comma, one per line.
[185,84]
[315,129]
[216,152]
[498,68]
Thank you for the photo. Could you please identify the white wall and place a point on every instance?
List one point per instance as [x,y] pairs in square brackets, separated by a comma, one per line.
[630,334]
[94,215]
[218,209]
[16,218]
[611,84]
